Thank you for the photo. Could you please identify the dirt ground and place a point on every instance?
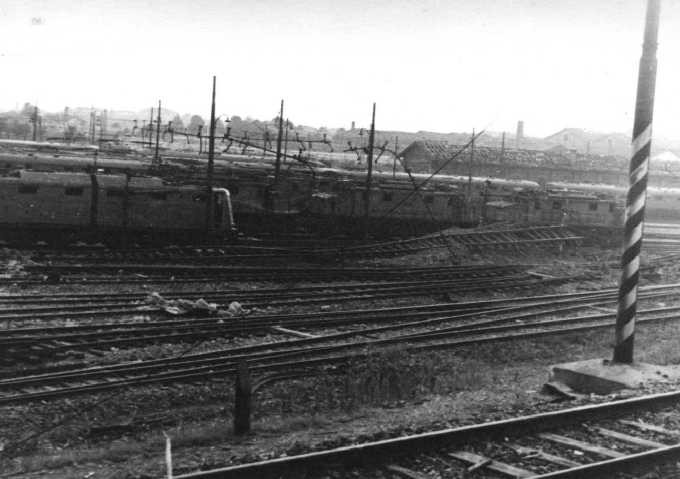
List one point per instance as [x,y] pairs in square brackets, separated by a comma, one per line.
[122,435]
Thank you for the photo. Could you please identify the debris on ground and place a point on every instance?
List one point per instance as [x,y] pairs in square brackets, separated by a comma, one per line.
[182,307]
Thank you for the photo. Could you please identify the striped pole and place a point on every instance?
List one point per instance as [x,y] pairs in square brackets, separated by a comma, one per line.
[637,191]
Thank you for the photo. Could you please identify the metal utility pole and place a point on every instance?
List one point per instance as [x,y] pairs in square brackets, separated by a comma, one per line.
[277,168]
[637,191]
[211,162]
[369,175]
[502,148]
[156,158]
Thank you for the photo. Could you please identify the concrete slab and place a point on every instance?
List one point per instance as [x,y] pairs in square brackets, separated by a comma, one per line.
[601,376]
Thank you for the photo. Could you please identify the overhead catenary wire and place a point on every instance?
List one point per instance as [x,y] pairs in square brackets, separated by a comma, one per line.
[436,172]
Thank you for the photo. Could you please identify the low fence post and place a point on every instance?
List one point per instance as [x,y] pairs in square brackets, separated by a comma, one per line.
[242,400]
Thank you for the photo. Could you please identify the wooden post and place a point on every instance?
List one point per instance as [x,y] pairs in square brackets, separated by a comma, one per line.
[242,400]
[285,142]
[156,158]
[91,128]
[150,128]
[35,124]
[279,138]
[369,174]
[396,152]
[637,191]
[469,188]
[211,163]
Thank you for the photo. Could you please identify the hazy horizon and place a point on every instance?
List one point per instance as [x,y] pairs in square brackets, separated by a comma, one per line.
[429,65]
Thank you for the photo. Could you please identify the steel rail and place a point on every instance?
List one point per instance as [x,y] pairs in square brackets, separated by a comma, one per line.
[424,311]
[265,362]
[423,289]
[36,297]
[383,452]
[126,334]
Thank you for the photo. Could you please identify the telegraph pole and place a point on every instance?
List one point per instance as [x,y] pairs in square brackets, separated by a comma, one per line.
[502,148]
[211,161]
[156,158]
[277,168]
[637,191]
[369,175]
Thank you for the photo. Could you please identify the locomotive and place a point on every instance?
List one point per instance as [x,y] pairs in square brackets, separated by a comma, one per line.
[72,205]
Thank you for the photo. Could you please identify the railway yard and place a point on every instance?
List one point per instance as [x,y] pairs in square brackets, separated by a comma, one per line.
[423,357]
[485,287]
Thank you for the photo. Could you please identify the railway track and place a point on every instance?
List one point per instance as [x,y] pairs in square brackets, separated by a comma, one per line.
[597,440]
[49,341]
[514,238]
[58,306]
[254,251]
[152,272]
[310,355]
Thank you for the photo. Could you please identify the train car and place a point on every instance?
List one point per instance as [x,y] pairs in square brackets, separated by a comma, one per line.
[662,203]
[394,210]
[577,210]
[77,204]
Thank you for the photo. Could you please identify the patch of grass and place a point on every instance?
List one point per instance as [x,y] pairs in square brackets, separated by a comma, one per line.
[117,451]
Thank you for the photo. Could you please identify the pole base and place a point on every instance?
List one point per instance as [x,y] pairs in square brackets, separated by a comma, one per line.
[602,376]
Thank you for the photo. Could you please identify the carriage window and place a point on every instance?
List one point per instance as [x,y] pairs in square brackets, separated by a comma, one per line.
[73,191]
[114,193]
[612,207]
[557,205]
[198,198]
[28,189]
[233,190]
[592,206]
[387,196]
[429,199]
[537,204]
[158,195]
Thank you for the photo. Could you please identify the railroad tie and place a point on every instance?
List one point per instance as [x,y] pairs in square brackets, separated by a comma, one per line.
[582,445]
[643,426]
[292,332]
[537,453]
[628,438]
[496,466]
[404,472]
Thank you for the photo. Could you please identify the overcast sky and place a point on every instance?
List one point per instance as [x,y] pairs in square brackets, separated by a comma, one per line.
[430,65]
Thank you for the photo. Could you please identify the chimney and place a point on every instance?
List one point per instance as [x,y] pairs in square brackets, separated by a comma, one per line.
[520,134]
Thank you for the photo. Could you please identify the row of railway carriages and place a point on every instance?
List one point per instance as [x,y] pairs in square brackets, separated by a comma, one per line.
[326,199]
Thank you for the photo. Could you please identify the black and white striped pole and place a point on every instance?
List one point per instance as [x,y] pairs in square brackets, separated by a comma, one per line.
[637,191]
